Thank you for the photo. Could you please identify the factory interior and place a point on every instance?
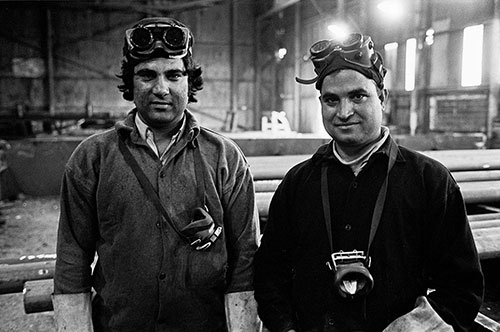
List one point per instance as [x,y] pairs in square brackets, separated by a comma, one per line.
[60,63]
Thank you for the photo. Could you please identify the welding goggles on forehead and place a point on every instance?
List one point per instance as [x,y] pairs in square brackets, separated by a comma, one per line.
[354,52]
[355,49]
[144,39]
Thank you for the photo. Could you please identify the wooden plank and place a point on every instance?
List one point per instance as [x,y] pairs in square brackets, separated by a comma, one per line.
[460,177]
[486,324]
[37,296]
[482,224]
[27,259]
[476,221]
[485,232]
[13,277]
[275,167]
[266,185]
[263,200]
[467,160]
[484,216]
[481,191]
[488,245]
[469,176]
[473,192]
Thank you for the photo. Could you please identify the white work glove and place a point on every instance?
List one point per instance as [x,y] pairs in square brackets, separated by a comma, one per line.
[421,319]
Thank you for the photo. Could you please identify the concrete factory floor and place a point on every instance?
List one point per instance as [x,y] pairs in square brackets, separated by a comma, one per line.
[30,229]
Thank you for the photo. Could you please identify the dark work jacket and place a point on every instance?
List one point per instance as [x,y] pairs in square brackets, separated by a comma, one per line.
[147,278]
[423,242]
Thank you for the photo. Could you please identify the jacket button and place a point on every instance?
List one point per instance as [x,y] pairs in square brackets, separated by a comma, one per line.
[162,174]
[158,224]
[354,185]
[348,227]
[162,275]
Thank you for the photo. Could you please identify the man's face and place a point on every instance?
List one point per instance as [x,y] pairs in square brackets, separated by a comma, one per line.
[351,109]
[161,91]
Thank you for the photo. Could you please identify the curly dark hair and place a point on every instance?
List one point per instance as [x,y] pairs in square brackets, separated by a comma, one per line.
[195,81]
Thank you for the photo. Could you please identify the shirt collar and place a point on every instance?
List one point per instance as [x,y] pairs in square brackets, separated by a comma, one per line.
[368,151]
[143,128]
[128,128]
[359,162]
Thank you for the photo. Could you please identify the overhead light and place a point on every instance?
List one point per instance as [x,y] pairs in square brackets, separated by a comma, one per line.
[429,37]
[338,31]
[393,9]
[281,53]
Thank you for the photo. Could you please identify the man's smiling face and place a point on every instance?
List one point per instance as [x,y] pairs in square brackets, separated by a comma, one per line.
[161,91]
[352,108]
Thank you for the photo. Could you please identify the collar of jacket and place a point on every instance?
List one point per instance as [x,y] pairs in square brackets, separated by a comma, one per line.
[126,127]
[325,152]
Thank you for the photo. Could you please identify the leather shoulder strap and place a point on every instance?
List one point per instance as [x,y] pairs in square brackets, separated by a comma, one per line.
[146,185]
[379,205]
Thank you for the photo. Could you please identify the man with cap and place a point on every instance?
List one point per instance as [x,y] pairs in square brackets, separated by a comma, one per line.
[366,235]
[158,228]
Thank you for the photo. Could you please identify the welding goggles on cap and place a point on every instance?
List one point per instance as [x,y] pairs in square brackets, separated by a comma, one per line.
[157,34]
[354,52]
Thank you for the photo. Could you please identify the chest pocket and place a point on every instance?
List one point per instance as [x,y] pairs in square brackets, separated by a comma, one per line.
[207,268]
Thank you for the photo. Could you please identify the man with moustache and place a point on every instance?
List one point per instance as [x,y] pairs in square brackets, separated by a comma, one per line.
[165,205]
[366,235]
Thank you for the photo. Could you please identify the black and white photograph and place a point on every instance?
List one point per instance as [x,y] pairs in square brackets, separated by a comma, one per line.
[250,166]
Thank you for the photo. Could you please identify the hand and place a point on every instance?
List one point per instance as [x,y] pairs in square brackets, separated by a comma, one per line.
[241,312]
[72,312]
[421,319]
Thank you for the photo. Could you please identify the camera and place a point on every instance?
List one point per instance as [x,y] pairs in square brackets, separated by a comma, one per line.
[351,275]
[202,231]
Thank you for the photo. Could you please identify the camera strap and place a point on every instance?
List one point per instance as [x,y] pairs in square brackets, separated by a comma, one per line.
[199,173]
[150,191]
[379,205]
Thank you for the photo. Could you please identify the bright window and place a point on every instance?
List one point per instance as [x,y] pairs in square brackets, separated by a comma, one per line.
[390,47]
[390,62]
[472,55]
[411,52]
